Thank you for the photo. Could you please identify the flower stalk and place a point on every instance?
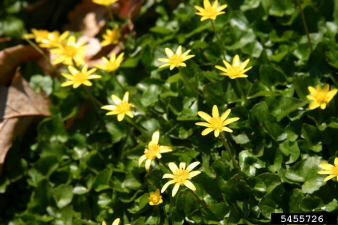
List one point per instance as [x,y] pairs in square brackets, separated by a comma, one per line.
[226,146]
[92,97]
[43,55]
[110,14]
[189,84]
[202,203]
[244,99]
[218,39]
[118,82]
[139,128]
[305,25]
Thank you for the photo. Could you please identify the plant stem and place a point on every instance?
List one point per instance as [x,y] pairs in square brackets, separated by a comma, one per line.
[244,100]
[37,48]
[333,79]
[110,14]
[92,97]
[230,154]
[305,24]
[198,199]
[139,128]
[160,162]
[189,84]
[118,82]
[202,203]
[218,39]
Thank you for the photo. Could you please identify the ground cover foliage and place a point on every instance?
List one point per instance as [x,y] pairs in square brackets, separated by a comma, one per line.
[85,170]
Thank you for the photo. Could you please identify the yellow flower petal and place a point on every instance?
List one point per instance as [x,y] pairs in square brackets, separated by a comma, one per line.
[326,166]
[329,178]
[116,222]
[215,111]
[120,117]
[190,185]
[231,120]
[141,159]
[204,115]
[207,131]
[167,175]
[156,137]
[173,167]
[314,105]
[192,166]
[166,186]
[175,189]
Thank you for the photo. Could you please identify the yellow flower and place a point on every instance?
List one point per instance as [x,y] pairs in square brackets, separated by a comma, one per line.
[155,198]
[210,11]
[112,64]
[111,36]
[105,2]
[54,39]
[122,107]
[177,59]
[38,35]
[116,222]
[70,51]
[236,70]
[320,97]
[332,170]
[216,123]
[181,176]
[77,77]
[153,150]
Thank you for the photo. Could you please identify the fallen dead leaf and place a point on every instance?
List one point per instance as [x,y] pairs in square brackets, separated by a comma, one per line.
[19,104]
[11,58]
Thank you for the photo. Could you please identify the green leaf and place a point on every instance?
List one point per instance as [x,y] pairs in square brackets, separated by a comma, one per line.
[40,82]
[80,190]
[311,204]
[161,30]
[306,171]
[281,8]
[249,163]
[295,200]
[185,204]
[290,149]
[151,93]
[312,136]
[281,106]
[271,76]
[101,181]
[63,195]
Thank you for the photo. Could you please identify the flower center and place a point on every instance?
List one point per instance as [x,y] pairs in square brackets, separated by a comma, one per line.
[155,199]
[321,97]
[334,170]
[70,51]
[210,12]
[180,176]
[175,60]
[111,66]
[43,34]
[80,77]
[114,36]
[123,107]
[153,150]
[216,123]
[235,71]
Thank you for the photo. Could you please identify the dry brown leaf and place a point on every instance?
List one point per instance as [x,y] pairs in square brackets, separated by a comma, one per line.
[19,104]
[11,58]
[88,17]
[130,8]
